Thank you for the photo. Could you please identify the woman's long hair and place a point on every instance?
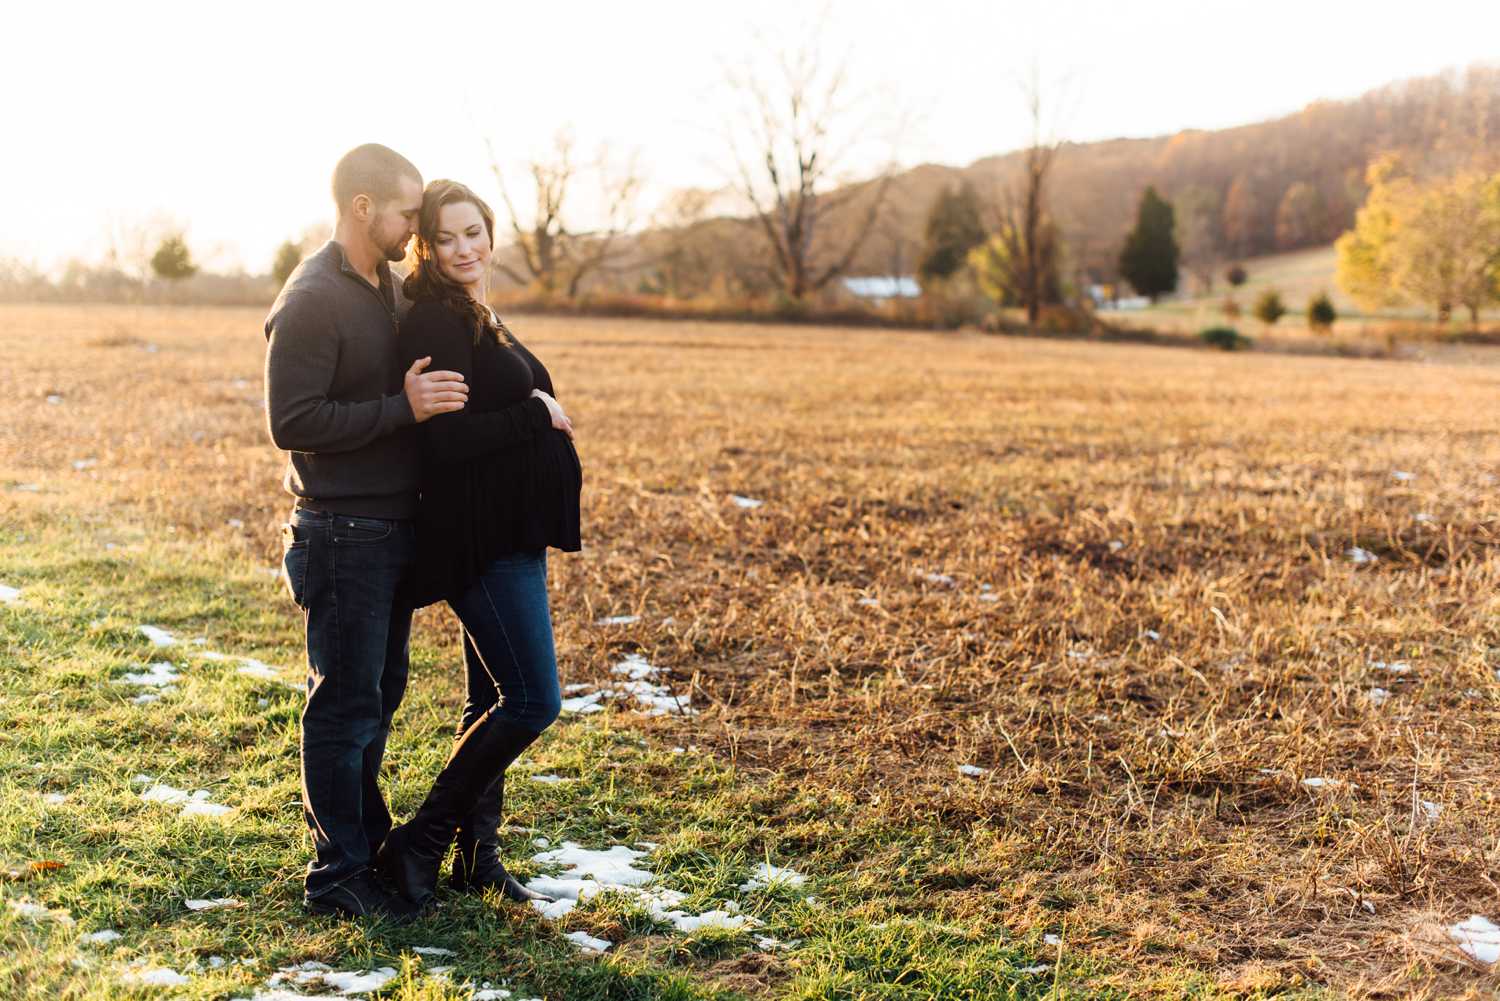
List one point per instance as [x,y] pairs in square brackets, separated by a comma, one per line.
[427,280]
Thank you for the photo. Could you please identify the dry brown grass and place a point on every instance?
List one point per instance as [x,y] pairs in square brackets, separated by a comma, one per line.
[1150,789]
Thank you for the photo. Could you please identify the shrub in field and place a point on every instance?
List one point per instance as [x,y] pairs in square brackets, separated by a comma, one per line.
[1231,307]
[1224,338]
[1236,275]
[172,260]
[1269,308]
[288,256]
[1321,314]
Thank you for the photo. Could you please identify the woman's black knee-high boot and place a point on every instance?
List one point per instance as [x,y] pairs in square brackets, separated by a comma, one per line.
[476,860]
[413,851]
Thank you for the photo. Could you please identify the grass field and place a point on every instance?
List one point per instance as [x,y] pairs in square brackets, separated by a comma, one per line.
[1215,635]
[1298,276]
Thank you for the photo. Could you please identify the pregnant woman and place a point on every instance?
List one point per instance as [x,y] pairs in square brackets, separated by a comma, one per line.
[500,484]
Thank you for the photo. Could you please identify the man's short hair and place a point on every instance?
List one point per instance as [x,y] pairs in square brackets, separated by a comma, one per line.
[371,169]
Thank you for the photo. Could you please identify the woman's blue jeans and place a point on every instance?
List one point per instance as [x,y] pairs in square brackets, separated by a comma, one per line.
[508,650]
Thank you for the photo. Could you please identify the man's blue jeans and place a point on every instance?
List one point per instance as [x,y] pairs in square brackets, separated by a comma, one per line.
[345,573]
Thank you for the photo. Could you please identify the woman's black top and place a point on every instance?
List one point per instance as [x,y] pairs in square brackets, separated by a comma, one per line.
[497,477]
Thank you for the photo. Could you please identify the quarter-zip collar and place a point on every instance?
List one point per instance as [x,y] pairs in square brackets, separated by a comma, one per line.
[387,291]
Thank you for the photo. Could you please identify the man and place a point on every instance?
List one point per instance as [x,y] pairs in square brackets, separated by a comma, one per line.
[337,400]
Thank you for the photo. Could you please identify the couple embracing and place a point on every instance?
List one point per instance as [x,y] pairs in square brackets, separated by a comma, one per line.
[429,461]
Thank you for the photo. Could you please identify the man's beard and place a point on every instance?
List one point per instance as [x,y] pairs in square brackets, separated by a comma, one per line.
[392,251]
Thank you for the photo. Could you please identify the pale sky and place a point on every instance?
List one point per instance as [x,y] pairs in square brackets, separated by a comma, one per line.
[229,119]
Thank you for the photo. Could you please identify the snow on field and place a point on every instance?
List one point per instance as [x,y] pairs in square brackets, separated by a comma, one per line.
[1360,557]
[153,976]
[158,675]
[432,950]
[55,798]
[1377,696]
[1479,938]
[214,904]
[33,911]
[617,620]
[196,804]
[1394,667]
[767,875]
[587,942]
[551,779]
[1402,476]
[343,981]
[103,937]
[973,771]
[8,594]
[157,636]
[651,699]
[749,503]
[592,872]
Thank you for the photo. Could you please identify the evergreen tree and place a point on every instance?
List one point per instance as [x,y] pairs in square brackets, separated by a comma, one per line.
[1149,258]
[953,229]
[1269,307]
[1321,314]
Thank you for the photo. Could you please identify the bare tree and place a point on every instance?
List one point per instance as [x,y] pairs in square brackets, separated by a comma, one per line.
[791,141]
[553,255]
[1026,264]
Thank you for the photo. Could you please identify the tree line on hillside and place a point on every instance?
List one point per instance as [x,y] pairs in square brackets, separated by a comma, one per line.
[787,226]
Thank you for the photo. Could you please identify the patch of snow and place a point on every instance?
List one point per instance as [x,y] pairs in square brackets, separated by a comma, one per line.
[1479,938]
[258,669]
[1034,969]
[157,675]
[1431,810]
[746,502]
[989,596]
[432,950]
[33,911]
[617,620]
[103,937]
[214,904]
[1360,557]
[551,779]
[157,636]
[1394,667]
[235,523]
[767,875]
[868,602]
[1152,635]
[343,981]
[490,994]
[8,594]
[154,976]
[55,798]
[196,804]
[1377,696]
[1051,939]
[81,464]
[1423,518]
[28,488]
[583,703]
[1324,783]
[587,942]
[613,865]
[636,667]
[679,750]
[1402,476]
[941,579]
[974,771]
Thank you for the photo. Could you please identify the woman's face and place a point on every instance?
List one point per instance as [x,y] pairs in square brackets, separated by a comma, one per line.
[461,244]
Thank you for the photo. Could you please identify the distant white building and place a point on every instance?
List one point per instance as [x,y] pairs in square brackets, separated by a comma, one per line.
[879,288]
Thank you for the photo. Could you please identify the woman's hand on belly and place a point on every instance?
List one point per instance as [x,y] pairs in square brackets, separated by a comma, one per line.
[559,418]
